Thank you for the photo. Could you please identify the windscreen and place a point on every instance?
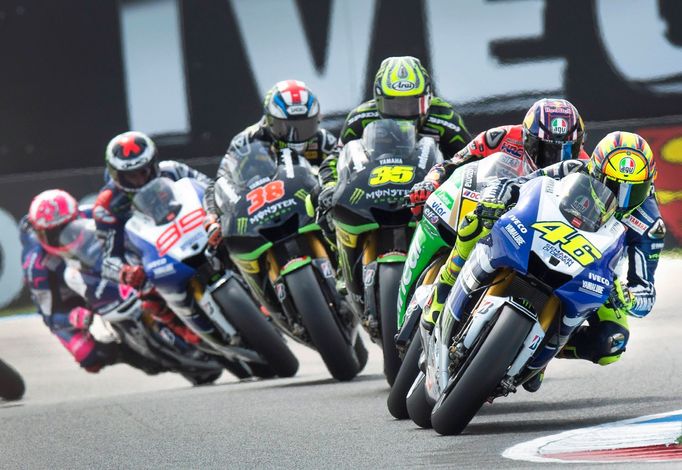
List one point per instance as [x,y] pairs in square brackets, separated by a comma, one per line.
[157,201]
[585,202]
[501,165]
[250,162]
[389,138]
[79,240]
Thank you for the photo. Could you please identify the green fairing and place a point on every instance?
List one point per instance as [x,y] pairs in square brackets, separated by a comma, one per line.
[255,254]
[424,245]
[357,229]
[392,259]
[309,228]
[295,264]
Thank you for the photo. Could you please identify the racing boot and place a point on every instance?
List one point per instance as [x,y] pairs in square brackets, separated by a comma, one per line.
[533,385]
[160,312]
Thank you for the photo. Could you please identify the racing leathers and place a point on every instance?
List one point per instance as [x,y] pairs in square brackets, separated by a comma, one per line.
[604,339]
[59,306]
[442,123]
[507,139]
[316,150]
[113,208]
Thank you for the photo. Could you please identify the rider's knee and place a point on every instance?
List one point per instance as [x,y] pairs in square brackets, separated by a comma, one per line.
[610,343]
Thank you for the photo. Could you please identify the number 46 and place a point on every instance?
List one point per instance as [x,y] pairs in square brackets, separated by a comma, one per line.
[572,243]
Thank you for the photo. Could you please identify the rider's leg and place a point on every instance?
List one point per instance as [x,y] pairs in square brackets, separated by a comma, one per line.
[603,341]
[470,230]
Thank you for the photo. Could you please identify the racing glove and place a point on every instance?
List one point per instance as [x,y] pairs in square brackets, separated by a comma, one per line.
[489,209]
[133,276]
[324,200]
[419,193]
[213,230]
[621,298]
[80,318]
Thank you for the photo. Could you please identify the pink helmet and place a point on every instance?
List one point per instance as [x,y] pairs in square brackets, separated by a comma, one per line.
[49,213]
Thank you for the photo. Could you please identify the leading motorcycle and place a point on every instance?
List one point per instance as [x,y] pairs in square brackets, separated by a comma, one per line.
[546,266]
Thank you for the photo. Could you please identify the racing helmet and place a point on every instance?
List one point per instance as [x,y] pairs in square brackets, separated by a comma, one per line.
[292,113]
[402,89]
[132,160]
[624,163]
[49,213]
[552,131]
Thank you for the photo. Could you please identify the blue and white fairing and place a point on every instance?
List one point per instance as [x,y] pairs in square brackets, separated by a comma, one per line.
[163,248]
[513,238]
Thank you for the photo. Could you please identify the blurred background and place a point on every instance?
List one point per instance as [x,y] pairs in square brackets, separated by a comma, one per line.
[192,73]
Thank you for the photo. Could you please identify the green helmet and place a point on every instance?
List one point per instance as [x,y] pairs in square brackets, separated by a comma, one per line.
[402,88]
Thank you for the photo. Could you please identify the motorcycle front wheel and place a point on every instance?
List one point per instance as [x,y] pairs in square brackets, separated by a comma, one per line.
[338,354]
[242,312]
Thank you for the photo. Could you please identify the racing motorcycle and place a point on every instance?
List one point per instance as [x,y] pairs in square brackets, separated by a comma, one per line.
[546,266]
[272,237]
[373,227]
[433,239]
[11,384]
[160,348]
[166,233]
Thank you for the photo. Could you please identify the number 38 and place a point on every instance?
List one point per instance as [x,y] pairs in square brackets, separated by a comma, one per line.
[391,174]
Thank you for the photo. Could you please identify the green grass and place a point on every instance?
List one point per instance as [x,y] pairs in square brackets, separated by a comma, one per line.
[673,253]
[18,310]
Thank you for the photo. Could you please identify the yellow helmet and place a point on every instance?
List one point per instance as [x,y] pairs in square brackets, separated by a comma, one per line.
[624,162]
[402,88]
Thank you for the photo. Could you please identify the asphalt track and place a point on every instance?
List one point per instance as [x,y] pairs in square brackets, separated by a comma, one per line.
[121,418]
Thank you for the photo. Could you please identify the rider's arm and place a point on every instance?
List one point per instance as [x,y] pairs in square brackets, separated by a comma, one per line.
[443,120]
[506,191]
[644,241]
[110,225]
[45,296]
[176,170]
[356,121]
[474,150]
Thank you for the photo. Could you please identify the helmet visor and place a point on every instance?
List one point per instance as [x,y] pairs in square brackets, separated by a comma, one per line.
[403,107]
[629,195]
[545,153]
[133,180]
[78,240]
[294,130]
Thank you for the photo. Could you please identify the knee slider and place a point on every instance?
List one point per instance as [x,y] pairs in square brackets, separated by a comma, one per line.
[610,343]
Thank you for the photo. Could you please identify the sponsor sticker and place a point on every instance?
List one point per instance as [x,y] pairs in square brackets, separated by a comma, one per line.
[559,125]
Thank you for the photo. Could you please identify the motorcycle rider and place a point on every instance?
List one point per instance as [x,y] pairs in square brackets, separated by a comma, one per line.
[402,90]
[291,118]
[62,309]
[552,130]
[132,162]
[622,161]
